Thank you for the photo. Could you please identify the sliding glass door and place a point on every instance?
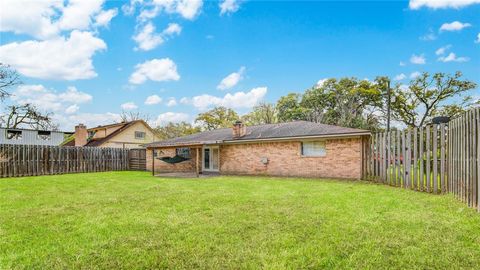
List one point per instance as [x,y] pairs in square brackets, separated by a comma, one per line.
[211,158]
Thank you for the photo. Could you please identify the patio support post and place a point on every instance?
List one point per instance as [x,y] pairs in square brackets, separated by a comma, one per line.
[196,161]
[153,161]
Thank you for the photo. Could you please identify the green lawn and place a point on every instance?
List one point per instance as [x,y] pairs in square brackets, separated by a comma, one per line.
[132,220]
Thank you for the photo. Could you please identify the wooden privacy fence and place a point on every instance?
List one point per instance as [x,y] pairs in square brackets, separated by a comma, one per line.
[28,160]
[439,158]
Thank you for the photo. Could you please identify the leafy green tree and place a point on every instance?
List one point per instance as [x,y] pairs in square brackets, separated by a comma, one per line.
[347,102]
[174,130]
[350,102]
[218,117]
[263,113]
[289,109]
[426,97]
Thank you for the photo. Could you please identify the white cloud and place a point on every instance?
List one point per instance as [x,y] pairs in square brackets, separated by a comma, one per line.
[188,9]
[321,82]
[68,122]
[46,19]
[156,70]
[58,59]
[72,95]
[171,102]
[47,99]
[147,39]
[454,26]
[402,64]
[152,100]
[231,80]
[429,37]
[229,6]
[77,14]
[452,57]
[30,17]
[235,100]
[435,4]
[129,106]
[173,117]
[442,50]
[478,38]
[172,28]
[72,109]
[399,77]
[418,59]
[415,74]
[104,17]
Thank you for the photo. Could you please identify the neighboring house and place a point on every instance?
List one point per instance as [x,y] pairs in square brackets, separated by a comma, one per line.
[132,134]
[299,148]
[32,136]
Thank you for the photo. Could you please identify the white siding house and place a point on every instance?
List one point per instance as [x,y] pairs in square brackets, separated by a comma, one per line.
[31,137]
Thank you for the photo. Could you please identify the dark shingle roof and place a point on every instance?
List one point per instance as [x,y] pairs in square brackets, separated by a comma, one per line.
[100,141]
[261,132]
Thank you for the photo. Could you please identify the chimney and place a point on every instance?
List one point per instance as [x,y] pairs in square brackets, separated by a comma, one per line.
[81,135]
[239,129]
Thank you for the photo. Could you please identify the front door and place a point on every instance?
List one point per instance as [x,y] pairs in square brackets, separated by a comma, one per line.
[211,155]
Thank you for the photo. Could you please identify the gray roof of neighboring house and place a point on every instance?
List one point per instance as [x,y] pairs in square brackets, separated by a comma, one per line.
[262,132]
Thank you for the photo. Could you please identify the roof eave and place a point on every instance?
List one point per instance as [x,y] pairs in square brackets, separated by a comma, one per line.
[306,137]
[187,144]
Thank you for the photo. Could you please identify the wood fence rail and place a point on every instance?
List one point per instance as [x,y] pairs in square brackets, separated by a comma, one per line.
[441,158]
[29,160]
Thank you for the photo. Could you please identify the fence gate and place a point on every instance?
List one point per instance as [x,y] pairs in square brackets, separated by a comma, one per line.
[138,159]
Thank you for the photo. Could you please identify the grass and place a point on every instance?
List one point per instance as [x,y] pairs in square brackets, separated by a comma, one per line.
[130,220]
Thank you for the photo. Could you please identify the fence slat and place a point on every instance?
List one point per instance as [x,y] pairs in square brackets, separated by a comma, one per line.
[435,158]
[408,155]
[443,171]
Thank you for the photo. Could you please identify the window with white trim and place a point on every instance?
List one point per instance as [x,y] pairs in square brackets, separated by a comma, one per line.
[314,149]
[139,135]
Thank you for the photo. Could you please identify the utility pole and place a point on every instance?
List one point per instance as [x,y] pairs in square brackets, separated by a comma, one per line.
[388,105]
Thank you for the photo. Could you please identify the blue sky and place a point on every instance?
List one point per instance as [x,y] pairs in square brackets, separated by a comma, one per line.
[86,62]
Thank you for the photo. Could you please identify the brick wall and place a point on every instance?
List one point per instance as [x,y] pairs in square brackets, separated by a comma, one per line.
[160,166]
[343,159]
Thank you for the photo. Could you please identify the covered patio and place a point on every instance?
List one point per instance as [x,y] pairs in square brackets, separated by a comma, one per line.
[200,159]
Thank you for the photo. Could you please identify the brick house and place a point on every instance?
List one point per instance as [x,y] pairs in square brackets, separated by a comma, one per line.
[299,148]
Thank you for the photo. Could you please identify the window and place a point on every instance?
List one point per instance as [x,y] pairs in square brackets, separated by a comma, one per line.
[314,149]
[44,135]
[140,135]
[183,152]
[14,134]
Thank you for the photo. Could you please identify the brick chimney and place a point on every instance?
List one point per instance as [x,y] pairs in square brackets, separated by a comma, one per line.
[81,135]
[239,129]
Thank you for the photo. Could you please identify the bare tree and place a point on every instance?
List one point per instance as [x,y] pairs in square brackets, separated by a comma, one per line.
[8,78]
[27,115]
[133,116]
